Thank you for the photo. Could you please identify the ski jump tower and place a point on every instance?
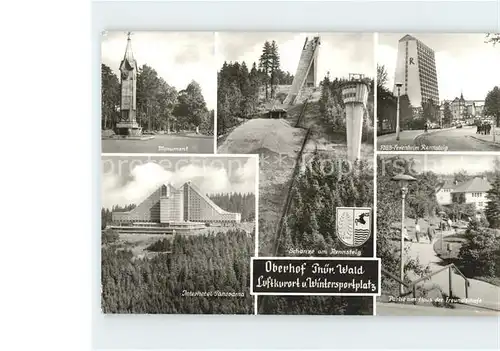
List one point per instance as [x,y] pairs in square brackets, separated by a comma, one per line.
[355,95]
[305,76]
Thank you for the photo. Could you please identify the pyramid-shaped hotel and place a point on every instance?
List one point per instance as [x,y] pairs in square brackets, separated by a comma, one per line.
[169,209]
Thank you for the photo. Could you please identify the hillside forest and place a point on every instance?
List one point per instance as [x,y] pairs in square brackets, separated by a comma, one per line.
[310,224]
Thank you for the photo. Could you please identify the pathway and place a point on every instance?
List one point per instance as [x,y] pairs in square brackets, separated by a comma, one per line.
[484,294]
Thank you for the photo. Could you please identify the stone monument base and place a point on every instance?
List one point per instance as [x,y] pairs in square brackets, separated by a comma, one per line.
[128,129]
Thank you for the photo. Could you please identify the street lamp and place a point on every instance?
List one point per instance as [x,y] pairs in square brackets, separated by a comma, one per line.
[403,180]
[398,85]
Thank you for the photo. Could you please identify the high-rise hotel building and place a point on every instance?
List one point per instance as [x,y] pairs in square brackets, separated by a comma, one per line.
[416,72]
[170,207]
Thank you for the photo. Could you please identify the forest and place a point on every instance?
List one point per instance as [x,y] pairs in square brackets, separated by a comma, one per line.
[236,202]
[317,192]
[159,105]
[242,90]
[107,216]
[311,224]
[217,263]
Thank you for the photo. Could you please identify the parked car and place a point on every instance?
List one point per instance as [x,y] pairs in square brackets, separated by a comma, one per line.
[459,125]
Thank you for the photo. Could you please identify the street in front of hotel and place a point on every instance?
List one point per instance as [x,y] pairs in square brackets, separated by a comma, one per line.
[446,139]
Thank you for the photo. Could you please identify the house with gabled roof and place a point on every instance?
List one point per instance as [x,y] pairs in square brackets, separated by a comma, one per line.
[443,192]
[472,191]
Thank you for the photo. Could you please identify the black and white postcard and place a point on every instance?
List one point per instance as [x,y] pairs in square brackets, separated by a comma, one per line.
[288,173]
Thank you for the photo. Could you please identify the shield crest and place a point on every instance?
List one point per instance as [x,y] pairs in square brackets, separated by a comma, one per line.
[353,225]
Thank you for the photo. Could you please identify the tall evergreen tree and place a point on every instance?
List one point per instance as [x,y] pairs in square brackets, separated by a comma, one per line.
[110,97]
[492,104]
[265,65]
[492,211]
[274,67]
[191,107]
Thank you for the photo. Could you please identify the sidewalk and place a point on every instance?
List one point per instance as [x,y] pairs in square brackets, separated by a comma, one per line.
[489,138]
[488,295]
[406,137]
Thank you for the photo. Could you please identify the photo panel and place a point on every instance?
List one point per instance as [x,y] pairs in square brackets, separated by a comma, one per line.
[158,92]
[438,234]
[438,92]
[178,233]
[304,102]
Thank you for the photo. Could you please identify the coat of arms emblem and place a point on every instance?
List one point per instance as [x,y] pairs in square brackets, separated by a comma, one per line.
[353,225]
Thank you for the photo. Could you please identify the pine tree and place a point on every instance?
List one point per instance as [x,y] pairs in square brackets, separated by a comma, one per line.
[265,64]
[275,66]
[493,206]
[110,97]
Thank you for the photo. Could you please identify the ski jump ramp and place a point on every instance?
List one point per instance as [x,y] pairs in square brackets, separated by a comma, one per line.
[306,74]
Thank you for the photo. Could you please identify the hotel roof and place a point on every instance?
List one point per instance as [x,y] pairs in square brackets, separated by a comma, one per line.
[476,184]
[447,184]
[408,37]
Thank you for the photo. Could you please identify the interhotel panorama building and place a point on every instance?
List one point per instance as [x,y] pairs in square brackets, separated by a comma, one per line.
[169,209]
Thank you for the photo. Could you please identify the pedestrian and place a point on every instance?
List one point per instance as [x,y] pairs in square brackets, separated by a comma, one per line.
[405,234]
[431,233]
[417,232]
[449,223]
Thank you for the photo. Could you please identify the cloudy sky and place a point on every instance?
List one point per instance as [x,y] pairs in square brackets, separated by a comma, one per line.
[178,57]
[464,62]
[127,180]
[340,53]
[449,164]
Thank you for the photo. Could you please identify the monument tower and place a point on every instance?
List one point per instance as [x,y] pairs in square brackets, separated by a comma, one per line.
[306,74]
[128,125]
